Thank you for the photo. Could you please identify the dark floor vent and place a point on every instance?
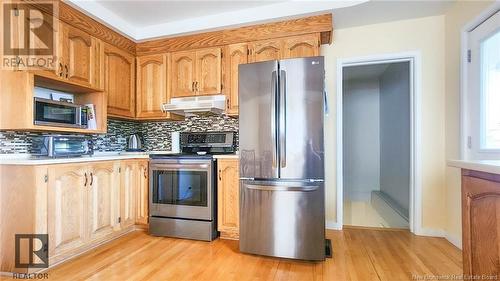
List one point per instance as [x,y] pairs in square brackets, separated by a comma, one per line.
[328,248]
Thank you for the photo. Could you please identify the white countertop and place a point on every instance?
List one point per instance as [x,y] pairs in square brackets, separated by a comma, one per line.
[26,159]
[227,156]
[488,166]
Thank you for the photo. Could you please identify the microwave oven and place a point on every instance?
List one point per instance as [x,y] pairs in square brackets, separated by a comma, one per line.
[61,114]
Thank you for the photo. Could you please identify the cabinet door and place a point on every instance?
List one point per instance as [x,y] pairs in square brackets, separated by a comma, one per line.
[127,193]
[228,198]
[78,49]
[142,195]
[301,46]
[152,88]
[208,71]
[183,74]
[236,54]
[481,223]
[66,211]
[119,81]
[265,50]
[104,199]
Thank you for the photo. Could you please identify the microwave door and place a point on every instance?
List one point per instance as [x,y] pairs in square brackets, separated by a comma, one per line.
[53,113]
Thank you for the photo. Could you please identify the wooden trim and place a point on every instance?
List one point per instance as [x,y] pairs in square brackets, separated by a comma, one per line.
[374,228]
[87,24]
[322,24]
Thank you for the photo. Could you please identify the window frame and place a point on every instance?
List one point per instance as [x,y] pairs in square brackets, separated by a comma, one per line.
[472,99]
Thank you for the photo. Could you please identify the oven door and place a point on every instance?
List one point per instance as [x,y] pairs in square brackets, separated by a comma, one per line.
[181,188]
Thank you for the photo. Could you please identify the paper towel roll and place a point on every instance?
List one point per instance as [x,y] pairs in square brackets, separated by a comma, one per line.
[176,142]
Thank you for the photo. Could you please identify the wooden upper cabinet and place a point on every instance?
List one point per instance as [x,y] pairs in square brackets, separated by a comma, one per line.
[183,74]
[235,55]
[208,71]
[118,71]
[301,46]
[196,72]
[265,50]
[66,210]
[79,58]
[152,85]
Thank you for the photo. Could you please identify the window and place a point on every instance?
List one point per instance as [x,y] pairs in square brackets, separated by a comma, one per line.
[483,91]
[490,92]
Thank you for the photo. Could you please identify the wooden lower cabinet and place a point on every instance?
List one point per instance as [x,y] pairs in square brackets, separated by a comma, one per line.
[79,205]
[83,206]
[104,199]
[228,195]
[481,224]
[67,207]
[128,184]
[142,189]
[23,199]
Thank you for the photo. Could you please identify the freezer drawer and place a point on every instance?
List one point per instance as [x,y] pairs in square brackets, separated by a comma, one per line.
[282,219]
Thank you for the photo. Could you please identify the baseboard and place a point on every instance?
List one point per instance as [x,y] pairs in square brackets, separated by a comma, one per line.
[455,240]
[431,232]
[333,225]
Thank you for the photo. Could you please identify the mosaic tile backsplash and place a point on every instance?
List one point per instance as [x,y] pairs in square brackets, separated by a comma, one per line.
[155,135]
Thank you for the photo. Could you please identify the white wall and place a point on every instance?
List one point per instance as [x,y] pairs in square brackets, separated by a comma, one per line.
[425,35]
[361,137]
[395,133]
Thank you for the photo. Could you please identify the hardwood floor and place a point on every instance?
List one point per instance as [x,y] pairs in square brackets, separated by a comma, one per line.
[358,254]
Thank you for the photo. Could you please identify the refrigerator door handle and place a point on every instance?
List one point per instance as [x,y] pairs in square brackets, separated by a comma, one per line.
[304,188]
[325,96]
[274,92]
[282,116]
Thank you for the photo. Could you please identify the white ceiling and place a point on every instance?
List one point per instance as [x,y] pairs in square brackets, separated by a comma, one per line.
[145,13]
[378,11]
[142,20]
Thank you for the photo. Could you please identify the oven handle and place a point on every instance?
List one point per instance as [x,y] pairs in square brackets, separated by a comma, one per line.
[179,166]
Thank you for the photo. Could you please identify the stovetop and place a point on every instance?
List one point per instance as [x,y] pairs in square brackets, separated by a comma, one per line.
[186,156]
[202,145]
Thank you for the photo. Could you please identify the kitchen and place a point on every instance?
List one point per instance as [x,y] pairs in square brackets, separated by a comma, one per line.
[177,150]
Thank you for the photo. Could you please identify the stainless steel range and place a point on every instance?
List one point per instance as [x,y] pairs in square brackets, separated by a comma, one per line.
[183,187]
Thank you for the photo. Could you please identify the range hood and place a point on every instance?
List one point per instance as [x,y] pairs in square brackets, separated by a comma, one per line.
[200,105]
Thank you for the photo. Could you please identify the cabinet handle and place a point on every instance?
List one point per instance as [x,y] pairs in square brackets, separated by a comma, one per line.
[60,69]
[220,178]
[91,179]
[192,87]
[85,184]
[145,174]
[66,67]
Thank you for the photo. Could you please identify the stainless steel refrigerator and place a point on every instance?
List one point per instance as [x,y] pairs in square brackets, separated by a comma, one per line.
[282,197]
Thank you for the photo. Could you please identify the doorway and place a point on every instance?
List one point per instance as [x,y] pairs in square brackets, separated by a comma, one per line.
[377,143]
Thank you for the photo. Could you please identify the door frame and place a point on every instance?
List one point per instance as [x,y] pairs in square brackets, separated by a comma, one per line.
[414,58]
